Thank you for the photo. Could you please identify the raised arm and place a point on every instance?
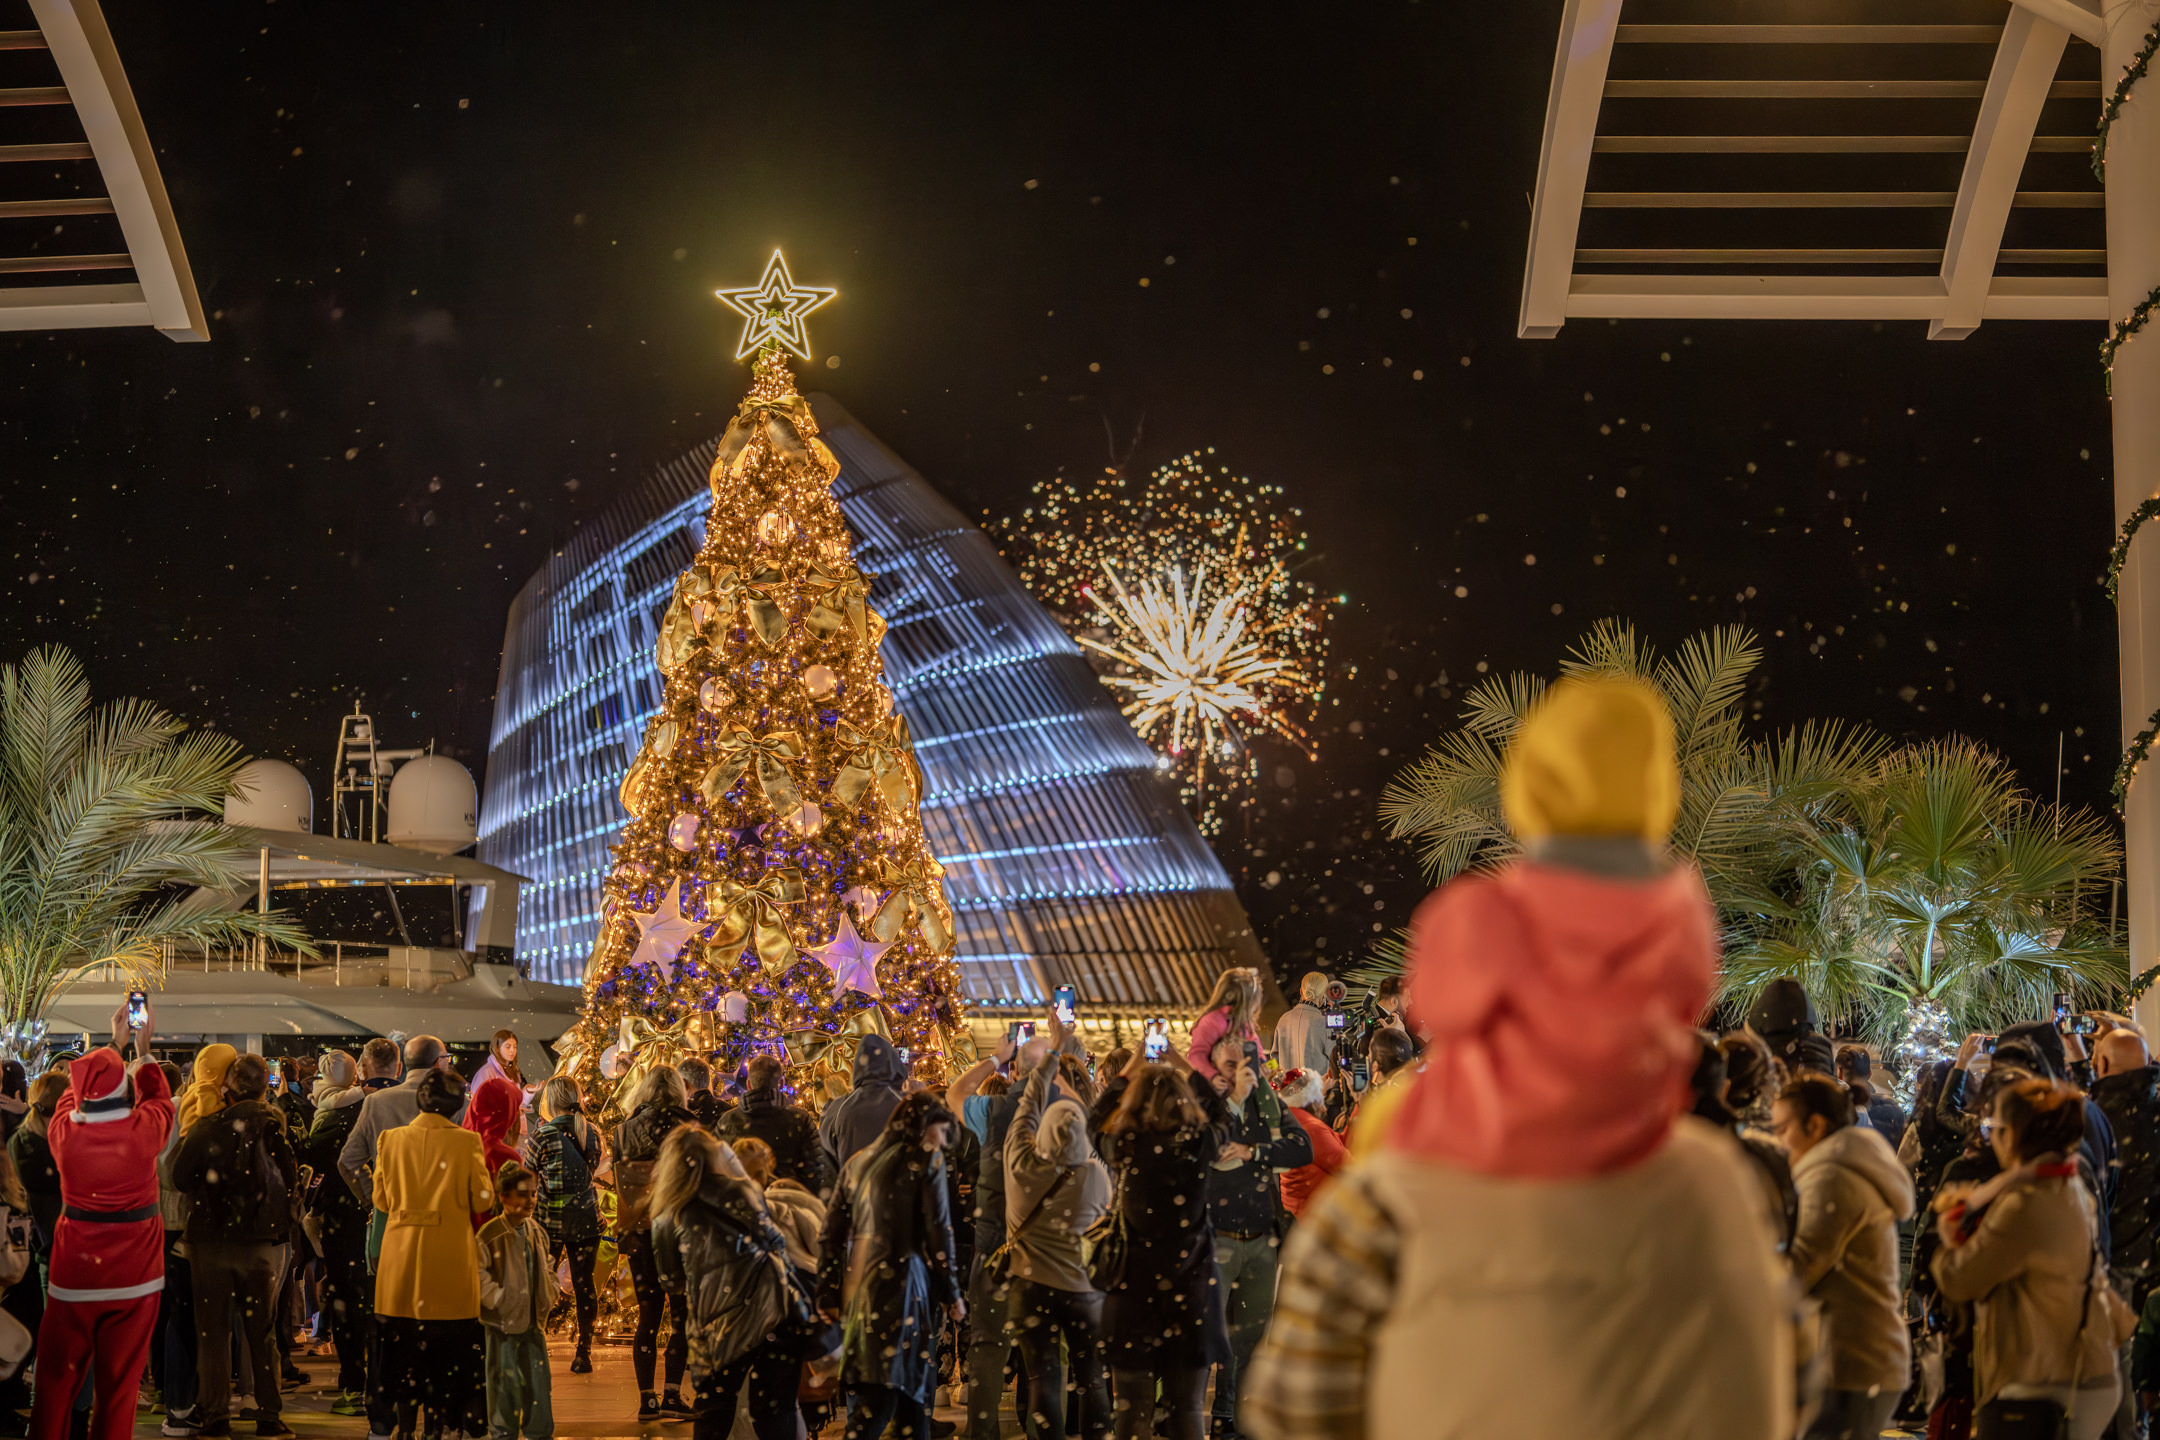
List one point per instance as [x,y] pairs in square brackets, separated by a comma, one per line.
[1020,1136]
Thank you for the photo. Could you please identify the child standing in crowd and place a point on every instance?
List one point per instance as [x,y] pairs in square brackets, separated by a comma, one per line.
[517,1290]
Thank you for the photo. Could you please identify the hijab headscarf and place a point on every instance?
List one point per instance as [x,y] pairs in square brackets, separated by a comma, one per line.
[206,1096]
[493,1115]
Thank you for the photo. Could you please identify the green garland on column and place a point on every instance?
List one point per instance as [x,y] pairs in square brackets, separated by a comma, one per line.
[2120,556]
[2140,747]
[2132,73]
[2120,335]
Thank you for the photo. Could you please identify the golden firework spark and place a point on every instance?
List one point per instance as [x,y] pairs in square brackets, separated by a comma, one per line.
[1204,624]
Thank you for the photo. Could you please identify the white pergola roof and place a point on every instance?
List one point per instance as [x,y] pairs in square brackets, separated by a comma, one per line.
[1746,91]
[94,87]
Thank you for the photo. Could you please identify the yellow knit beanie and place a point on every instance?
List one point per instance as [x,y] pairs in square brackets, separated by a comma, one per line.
[1594,758]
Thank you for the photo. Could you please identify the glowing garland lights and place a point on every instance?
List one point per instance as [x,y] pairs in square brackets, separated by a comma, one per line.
[773,891]
[1186,587]
[2132,73]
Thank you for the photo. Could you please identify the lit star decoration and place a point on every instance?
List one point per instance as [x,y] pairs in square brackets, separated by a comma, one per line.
[774,309]
[662,934]
[852,960]
[1204,621]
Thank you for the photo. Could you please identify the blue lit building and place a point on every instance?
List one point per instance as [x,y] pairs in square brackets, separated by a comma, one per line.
[1066,861]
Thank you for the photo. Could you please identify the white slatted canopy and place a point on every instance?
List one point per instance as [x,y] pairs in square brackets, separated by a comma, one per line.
[1801,171]
[72,145]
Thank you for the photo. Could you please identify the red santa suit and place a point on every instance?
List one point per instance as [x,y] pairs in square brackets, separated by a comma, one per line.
[108,1255]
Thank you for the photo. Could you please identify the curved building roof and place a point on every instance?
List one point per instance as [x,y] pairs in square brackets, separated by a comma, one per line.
[1066,861]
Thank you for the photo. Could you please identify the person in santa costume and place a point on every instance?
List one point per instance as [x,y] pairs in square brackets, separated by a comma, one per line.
[108,1253]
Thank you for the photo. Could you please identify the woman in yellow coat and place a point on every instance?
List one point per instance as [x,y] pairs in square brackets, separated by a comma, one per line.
[430,1178]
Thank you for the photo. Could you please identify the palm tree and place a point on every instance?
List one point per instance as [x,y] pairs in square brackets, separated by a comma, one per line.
[103,840]
[1735,793]
[1882,878]
[1936,889]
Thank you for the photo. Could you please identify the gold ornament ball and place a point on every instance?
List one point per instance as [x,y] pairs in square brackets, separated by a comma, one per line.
[821,681]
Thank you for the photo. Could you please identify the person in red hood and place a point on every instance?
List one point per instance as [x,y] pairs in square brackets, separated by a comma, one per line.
[108,1255]
[493,1115]
[1542,1245]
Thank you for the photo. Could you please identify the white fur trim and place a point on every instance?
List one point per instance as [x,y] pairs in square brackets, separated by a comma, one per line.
[118,1292]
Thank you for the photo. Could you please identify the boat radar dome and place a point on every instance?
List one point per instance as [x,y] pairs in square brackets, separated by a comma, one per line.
[434,806]
[271,795]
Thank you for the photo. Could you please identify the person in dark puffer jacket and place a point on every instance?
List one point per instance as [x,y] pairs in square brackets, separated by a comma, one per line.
[2128,1093]
[238,1168]
[717,1246]
[656,1110]
[342,1221]
[765,1114]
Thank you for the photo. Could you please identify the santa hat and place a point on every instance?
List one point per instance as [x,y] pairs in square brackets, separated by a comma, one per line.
[1300,1089]
[99,1081]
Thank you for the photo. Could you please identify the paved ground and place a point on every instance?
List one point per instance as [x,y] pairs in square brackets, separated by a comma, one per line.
[599,1406]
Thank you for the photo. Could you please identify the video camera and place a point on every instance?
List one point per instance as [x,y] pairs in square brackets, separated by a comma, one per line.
[1337,1017]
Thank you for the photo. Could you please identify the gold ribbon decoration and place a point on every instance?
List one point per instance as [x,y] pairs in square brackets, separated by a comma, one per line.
[765,591]
[759,906]
[775,420]
[838,596]
[915,895]
[772,753]
[884,753]
[679,630]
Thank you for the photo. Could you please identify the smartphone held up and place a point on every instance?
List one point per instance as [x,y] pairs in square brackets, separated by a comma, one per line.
[138,1010]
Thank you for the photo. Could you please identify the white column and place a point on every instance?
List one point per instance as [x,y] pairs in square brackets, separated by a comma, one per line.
[2133,233]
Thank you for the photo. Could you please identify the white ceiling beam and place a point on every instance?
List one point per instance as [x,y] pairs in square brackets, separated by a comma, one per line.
[97,86]
[1587,28]
[1825,297]
[2081,20]
[72,307]
[2025,65]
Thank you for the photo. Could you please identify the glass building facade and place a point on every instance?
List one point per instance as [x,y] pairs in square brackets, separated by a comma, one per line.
[1066,860]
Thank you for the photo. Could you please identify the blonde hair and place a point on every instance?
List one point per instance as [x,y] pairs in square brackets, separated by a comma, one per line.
[1239,989]
[662,1085]
[757,1158]
[561,1096]
[687,1156]
[45,1093]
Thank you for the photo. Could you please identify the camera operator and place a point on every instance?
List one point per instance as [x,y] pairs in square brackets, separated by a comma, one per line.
[1304,1040]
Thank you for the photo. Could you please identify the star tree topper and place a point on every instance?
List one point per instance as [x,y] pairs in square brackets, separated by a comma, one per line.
[774,309]
[662,934]
[853,960]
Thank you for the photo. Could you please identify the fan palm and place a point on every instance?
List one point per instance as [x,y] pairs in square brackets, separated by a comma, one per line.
[1935,880]
[102,837]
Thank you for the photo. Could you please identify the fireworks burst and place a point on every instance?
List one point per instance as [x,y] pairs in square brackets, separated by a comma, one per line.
[1184,587]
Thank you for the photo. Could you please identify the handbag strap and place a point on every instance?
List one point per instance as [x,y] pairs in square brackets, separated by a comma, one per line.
[1040,1201]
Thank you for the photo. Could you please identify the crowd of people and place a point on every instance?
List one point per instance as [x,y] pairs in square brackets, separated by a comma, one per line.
[1515,1192]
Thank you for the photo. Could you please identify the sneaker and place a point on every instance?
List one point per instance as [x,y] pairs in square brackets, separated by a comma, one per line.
[179,1425]
[648,1408]
[270,1427]
[581,1363]
[674,1407]
[349,1402]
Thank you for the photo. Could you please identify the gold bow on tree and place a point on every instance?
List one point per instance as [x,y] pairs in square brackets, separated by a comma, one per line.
[917,896]
[755,910]
[838,597]
[884,753]
[767,591]
[659,745]
[775,420]
[772,752]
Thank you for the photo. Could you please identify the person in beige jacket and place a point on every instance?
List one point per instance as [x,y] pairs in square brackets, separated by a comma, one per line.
[1853,1193]
[2046,1322]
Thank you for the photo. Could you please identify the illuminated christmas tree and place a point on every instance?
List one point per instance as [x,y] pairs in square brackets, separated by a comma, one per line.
[773,890]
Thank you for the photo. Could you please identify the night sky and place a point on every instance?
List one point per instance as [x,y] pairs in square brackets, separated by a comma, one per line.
[460,260]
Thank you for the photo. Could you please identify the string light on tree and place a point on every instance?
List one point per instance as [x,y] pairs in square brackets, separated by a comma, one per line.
[772,891]
[1187,588]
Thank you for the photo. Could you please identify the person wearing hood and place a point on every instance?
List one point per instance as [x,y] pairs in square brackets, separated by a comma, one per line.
[1853,1193]
[340,1225]
[887,1269]
[857,1118]
[238,1169]
[108,1258]
[1482,1273]
[1782,1016]
[1055,1191]
[2128,1093]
